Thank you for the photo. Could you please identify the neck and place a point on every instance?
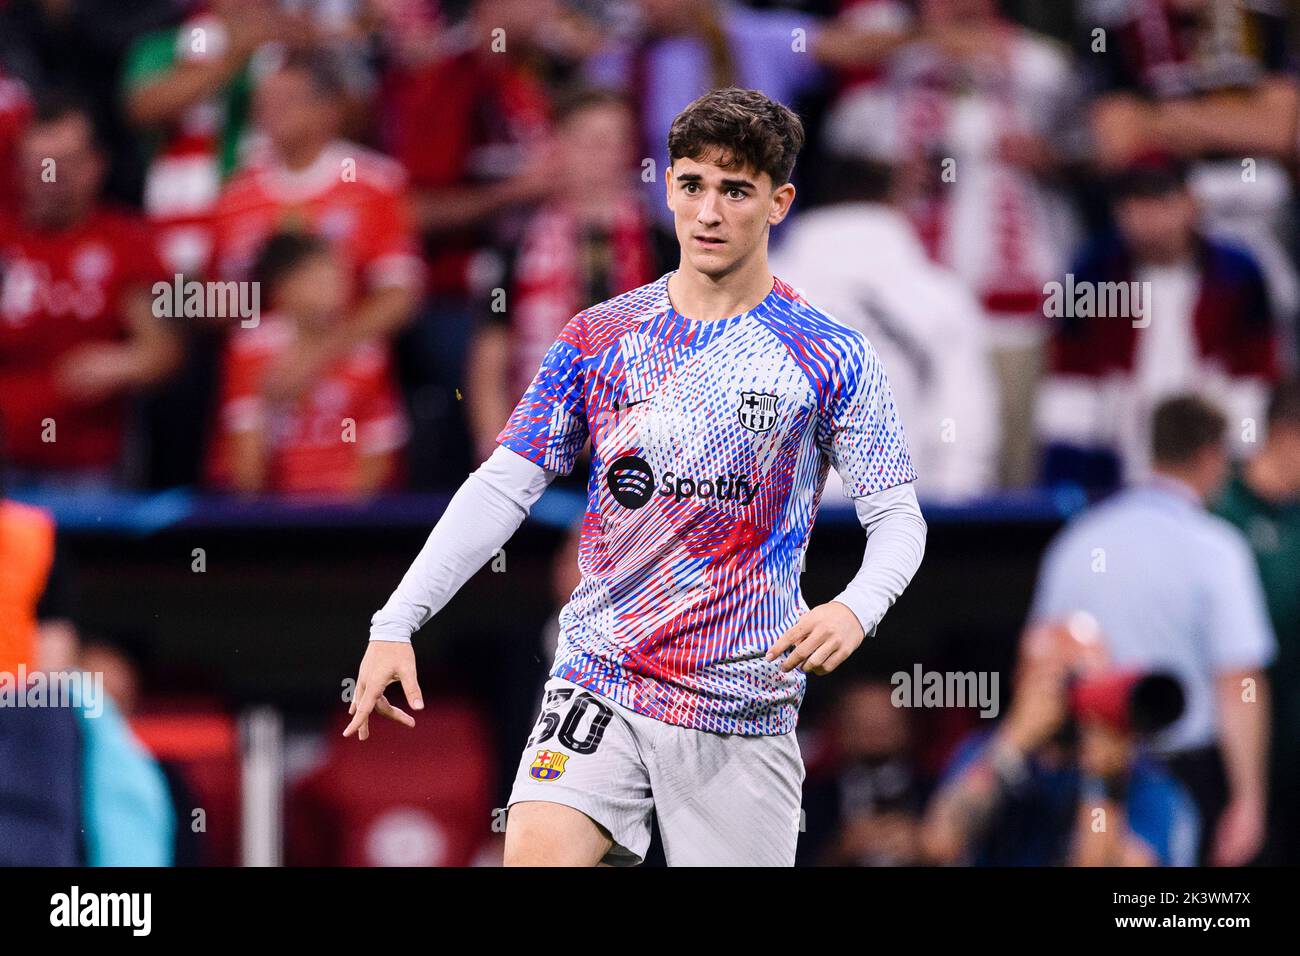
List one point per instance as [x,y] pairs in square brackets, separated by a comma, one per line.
[301,155]
[1173,254]
[60,220]
[1183,477]
[708,298]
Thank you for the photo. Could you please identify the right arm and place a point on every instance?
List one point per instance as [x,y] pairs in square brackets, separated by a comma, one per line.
[541,440]
[483,514]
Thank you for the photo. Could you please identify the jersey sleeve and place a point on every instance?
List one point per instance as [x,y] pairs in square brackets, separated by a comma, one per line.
[390,252]
[858,426]
[1237,628]
[549,425]
[240,406]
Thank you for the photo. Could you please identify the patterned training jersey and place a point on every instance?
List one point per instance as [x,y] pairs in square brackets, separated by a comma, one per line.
[711,442]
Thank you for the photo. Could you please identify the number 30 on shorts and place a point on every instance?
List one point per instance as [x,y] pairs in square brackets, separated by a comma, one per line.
[568,725]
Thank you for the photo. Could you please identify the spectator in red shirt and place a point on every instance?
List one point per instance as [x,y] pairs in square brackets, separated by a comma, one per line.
[77,331]
[592,241]
[342,435]
[15,111]
[307,178]
[470,122]
[469,118]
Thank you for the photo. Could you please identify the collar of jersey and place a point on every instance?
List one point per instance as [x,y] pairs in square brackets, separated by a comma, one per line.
[711,328]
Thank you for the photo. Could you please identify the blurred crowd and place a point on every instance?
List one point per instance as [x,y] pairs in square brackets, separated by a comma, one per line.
[318,247]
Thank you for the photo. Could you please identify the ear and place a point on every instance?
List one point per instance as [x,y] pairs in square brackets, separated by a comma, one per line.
[782,199]
[668,185]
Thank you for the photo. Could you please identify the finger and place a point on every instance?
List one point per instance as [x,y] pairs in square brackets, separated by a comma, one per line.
[834,661]
[819,657]
[788,640]
[394,713]
[365,704]
[359,691]
[411,688]
[803,650]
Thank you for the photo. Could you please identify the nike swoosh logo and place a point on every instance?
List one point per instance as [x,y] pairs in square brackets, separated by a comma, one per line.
[627,405]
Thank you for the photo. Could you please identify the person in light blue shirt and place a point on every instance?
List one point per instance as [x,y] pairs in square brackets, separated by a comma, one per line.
[1175,589]
[126,805]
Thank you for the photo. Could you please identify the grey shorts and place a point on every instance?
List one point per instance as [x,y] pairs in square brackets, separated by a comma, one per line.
[720,799]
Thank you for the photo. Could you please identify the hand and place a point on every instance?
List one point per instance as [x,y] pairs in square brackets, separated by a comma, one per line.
[93,372]
[822,640]
[1176,126]
[1240,832]
[1040,706]
[384,663]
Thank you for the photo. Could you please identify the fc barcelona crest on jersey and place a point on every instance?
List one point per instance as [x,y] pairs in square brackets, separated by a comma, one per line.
[757,411]
[549,765]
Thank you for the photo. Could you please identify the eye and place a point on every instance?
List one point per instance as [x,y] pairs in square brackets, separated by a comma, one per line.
[690,187]
[736,193]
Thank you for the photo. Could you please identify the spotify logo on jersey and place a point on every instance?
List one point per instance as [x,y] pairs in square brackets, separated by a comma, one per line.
[630,481]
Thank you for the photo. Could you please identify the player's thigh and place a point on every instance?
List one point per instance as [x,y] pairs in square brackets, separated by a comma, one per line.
[728,800]
[540,833]
[583,757]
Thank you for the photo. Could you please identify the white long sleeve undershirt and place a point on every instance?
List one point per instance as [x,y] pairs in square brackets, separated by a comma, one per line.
[494,501]
[487,509]
[895,544]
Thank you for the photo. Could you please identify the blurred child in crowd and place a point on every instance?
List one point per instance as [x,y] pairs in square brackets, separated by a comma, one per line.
[343,435]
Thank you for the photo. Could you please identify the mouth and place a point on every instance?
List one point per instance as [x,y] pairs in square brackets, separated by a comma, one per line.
[709,242]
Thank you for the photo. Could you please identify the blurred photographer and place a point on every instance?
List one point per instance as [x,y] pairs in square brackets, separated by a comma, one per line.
[1176,589]
[1026,792]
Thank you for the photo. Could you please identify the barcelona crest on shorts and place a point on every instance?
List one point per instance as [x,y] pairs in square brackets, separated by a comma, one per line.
[548,766]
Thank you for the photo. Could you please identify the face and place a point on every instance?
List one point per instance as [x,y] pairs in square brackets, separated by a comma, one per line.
[722,215]
[1157,228]
[1284,441]
[291,112]
[120,679]
[316,292]
[61,170]
[599,141]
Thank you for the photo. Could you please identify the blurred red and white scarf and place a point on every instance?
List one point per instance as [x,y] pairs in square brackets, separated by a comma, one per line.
[557,266]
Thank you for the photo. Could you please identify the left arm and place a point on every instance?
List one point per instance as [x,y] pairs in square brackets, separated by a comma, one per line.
[151,352]
[1244,743]
[823,638]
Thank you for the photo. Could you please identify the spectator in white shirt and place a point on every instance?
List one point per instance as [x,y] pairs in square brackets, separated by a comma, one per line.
[860,259]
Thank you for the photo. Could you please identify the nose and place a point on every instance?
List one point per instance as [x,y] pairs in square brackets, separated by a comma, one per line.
[709,214]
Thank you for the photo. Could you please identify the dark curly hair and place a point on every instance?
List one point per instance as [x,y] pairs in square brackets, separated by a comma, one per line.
[740,127]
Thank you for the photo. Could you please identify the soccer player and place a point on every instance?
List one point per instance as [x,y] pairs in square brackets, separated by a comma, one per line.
[716,399]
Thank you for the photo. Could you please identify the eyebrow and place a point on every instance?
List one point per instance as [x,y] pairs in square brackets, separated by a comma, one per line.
[726,183]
